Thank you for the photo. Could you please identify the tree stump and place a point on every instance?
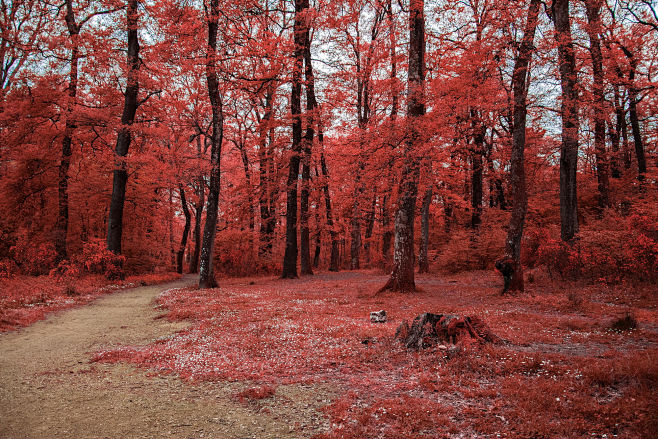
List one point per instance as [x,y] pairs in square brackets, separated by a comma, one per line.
[431,329]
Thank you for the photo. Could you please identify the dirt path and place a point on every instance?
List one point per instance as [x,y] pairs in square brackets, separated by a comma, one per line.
[49,389]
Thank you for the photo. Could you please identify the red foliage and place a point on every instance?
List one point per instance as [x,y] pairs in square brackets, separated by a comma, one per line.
[318,331]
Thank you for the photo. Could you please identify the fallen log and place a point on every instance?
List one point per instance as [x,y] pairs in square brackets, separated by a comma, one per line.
[430,329]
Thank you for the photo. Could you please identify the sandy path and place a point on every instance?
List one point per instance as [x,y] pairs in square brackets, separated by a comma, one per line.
[48,388]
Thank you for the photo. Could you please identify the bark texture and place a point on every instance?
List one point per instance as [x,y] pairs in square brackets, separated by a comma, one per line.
[206,275]
[186,230]
[120,174]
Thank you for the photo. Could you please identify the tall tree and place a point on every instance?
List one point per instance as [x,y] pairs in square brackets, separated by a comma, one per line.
[423,261]
[513,270]
[120,174]
[206,275]
[186,230]
[290,255]
[569,115]
[402,277]
[593,11]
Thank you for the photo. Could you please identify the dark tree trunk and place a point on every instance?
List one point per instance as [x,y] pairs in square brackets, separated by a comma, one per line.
[593,8]
[250,192]
[370,225]
[569,114]
[387,237]
[265,178]
[615,134]
[355,243]
[186,231]
[476,183]
[423,261]
[514,274]
[632,115]
[318,232]
[402,277]
[62,224]
[311,105]
[120,175]
[206,271]
[290,256]
[198,212]
[334,261]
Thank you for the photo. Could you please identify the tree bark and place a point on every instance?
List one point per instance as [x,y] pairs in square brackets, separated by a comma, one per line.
[290,255]
[402,277]
[593,8]
[186,231]
[265,177]
[370,226]
[62,224]
[569,114]
[120,174]
[311,105]
[514,281]
[206,275]
[198,212]
[423,261]
[334,261]
[632,115]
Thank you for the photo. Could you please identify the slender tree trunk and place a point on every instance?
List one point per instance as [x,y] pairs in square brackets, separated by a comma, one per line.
[318,232]
[198,212]
[120,174]
[632,114]
[206,275]
[311,105]
[615,134]
[186,231]
[402,277]
[370,225]
[569,114]
[250,192]
[387,237]
[62,224]
[264,158]
[477,177]
[423,261]
[355,242]
[593,8]
[513,270]
[334,261]
[290,256]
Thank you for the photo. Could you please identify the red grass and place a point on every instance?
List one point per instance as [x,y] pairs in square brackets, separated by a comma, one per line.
[27,299]
[563,375]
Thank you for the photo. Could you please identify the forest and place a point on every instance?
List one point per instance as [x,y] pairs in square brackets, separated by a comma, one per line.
[267,175]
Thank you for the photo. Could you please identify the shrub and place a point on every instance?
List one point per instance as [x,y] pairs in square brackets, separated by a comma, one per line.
[7,269]
[32,256]
[97,259]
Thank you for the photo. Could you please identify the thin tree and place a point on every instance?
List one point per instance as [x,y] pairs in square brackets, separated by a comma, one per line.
[206,276]
[402,277]
[186,230]
[120,174]
[423,261]
[511,268]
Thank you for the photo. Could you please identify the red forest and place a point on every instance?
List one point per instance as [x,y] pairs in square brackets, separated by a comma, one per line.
[487,168]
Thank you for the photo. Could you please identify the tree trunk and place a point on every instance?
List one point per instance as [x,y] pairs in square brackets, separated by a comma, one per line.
[62,224]
[250,192]
[402,277]
[265,182]
[615,134]
[593,8]
[334,261]
[206,275]
[514,279]
[387,237]
[355,233]
[120,175]
[569,114]
[186,231]
[290,256]
[370,225]
[311,105]
[198,212]
[423,261]
[632,114]
[318,231]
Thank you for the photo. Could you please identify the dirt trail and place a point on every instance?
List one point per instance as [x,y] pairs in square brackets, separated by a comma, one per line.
[49,389]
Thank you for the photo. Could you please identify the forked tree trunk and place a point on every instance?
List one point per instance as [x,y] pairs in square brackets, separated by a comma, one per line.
[186,230]
[290,256]
[62,224]
[402,277]
[423,261]
[632,115]
[593,8]
[569,114]
[206,275]
[120,174]
[510,267]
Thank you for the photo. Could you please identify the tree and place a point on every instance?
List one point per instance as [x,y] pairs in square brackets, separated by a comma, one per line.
[206,275]
[513,267]
[120,174]
[402,277]
[569,116]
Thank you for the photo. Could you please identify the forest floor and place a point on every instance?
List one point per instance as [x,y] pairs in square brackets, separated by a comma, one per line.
[269,358]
